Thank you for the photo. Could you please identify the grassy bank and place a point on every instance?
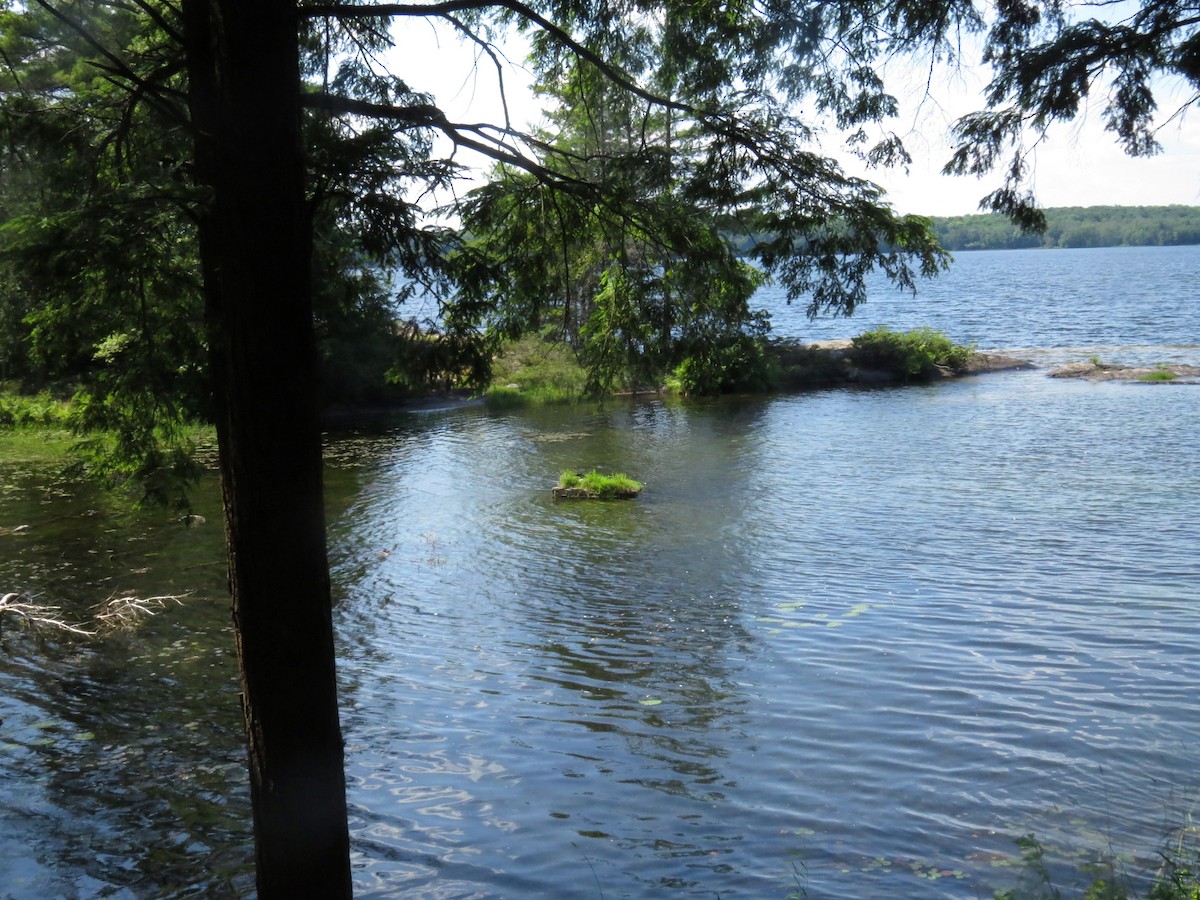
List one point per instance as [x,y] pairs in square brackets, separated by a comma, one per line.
[34,427]
[533,371]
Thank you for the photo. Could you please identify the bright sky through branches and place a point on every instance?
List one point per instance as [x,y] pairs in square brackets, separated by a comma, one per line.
[1079,165]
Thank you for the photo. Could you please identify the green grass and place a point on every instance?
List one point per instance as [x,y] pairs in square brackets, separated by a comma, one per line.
[533,371]
[33,410]
[1162,373]
[34,427]
[36,444]
[603,487]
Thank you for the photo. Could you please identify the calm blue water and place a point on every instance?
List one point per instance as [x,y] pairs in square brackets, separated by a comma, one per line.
[854,641]
[1051,305]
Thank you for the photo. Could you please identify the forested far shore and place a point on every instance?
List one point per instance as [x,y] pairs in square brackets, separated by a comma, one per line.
[1075,226]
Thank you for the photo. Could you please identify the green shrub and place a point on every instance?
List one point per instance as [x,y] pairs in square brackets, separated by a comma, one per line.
[918,354]
[738,365]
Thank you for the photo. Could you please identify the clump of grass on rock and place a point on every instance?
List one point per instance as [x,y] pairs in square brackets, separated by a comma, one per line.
[596,486]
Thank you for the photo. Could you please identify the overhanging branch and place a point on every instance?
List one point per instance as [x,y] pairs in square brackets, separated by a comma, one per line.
[426,115]
[448,8]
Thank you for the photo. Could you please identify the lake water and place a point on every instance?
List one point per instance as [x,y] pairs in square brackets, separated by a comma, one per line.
[855,642]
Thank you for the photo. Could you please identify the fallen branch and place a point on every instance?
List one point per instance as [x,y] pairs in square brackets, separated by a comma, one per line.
[125,610]
[38,616]
[117,612]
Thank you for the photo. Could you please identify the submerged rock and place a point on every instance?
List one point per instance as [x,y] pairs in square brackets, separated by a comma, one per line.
[582,493]
[1100,371]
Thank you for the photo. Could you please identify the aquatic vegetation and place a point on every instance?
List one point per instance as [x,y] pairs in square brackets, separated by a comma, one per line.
[1177,878]
[596,486]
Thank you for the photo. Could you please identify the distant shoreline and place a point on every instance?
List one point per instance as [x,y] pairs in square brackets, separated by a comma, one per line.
[1074,228]
[1067,228]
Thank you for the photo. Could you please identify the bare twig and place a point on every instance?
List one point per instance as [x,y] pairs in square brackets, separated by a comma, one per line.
[124,611]
[38,616]
[117,612]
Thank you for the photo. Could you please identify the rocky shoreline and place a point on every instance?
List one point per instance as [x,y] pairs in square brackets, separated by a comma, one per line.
[840,367]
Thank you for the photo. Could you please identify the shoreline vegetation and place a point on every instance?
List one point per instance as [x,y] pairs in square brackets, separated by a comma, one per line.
[536,372]
[531,372]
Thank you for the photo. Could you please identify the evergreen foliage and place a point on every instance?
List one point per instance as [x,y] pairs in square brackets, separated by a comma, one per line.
[100,275]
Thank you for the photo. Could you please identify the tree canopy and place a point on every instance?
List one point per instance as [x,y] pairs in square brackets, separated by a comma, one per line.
[1048,59]
[675,139]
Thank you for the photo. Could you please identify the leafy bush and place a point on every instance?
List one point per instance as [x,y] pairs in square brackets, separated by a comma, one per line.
[738,365]
[922,353]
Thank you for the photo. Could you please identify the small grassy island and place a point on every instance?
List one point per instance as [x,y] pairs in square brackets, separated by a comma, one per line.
[595,486]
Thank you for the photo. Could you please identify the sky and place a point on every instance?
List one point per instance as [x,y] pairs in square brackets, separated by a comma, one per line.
[1079,165]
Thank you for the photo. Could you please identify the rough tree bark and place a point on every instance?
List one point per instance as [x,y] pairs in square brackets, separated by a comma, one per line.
[255,233]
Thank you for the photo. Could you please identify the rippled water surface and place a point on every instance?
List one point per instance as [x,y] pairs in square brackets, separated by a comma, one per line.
[855,641]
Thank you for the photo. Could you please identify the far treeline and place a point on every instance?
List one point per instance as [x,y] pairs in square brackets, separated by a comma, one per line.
[1075,226]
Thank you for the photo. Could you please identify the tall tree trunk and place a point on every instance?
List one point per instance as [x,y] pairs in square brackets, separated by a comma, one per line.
[243,61]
